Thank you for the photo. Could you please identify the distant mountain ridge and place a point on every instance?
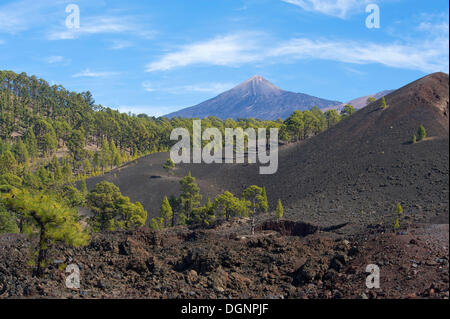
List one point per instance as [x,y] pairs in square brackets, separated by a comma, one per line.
[256,98]
[361,102]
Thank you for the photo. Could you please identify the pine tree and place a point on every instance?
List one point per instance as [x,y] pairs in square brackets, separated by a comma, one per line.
[228,206]
[169,165]
[155,224]
[8,224]
[203,215]
[165,211]
[258,199]
[421,132]
[31,143]
[383,103]
[52,220]
[87,167]
[8,163]
[96,161]
[190,194]
[116,160]
[56,168]
[398,216]
[396,224]
[67,170]
[370,99]
[20,152]
[347,111]
[83,187]
[112,210]
[279,211]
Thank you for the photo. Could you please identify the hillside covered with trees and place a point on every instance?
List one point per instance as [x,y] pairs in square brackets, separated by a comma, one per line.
[52,139]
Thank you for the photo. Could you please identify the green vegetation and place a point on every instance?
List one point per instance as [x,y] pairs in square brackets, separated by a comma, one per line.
[383,103]
[112,210]
[279,210]
[8,223]
[190,196]
[421,133]
[414,139]
[169,166]
[370,99]
[258,202]
[204,215]
[347,111]
[165,211]
[187,209]
[52,140]
[398,216]
[227,205]
[50,220]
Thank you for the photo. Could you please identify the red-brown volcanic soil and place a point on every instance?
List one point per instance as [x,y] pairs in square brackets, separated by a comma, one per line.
[217,263]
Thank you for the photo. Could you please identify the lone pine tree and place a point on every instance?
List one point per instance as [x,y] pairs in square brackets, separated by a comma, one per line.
[279,210]
[258,202]
[421,132]
[165,211]
[49,219]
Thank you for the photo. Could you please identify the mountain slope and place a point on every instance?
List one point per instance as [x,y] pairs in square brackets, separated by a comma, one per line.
[365,163]
[354,172]
[257,98]
[361,102]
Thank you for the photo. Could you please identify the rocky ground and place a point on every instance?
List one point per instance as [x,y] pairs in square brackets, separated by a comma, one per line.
[283,260]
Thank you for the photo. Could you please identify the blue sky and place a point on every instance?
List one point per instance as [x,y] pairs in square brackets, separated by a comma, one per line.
[156,57]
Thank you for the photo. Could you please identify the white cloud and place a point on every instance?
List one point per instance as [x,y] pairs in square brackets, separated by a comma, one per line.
[120,44]
[213,88]
[18,16]
[425,55]
[227,50]
[87,73]
[55,59]
[97,25]
[23,15]
[336,8]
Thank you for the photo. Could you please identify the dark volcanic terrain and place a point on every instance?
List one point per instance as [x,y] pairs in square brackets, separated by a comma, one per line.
[339,190]
[353,173]
[223,263]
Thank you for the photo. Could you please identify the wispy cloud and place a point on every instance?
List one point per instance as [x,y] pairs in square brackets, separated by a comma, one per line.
[226,50]
[57,59]
[87,73]
[336,8]
[101,25]
[213,88]
[120,44]
[49,16]
[18,16]
[427,55]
